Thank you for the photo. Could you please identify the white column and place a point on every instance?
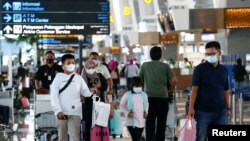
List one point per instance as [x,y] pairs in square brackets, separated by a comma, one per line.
[148,13]
[125,15]
[10,68]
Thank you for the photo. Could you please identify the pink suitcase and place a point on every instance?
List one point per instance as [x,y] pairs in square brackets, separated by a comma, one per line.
[99,133]
[25,102]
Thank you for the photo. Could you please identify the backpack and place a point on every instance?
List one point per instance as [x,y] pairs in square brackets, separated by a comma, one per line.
[114,74]
[122,73]
[130,103]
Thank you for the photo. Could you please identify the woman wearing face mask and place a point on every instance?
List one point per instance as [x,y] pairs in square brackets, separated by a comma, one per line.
[96,80]
[134,106]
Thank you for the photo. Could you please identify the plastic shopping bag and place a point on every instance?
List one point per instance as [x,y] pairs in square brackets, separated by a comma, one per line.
[100,112]
[188,132]
[172,115]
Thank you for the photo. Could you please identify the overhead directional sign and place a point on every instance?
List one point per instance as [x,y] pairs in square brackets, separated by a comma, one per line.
[55,6]
[67,18]
[86,29]
[55,17]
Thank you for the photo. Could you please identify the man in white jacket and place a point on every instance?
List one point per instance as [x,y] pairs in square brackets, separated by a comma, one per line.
[66,104]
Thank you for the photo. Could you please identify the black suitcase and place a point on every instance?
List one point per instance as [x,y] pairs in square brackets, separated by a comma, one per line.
[4,114]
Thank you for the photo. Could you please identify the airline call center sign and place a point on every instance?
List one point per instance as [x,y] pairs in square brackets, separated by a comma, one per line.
[55,17]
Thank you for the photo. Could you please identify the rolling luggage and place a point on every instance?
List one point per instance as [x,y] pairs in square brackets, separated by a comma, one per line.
[116,124]
[99,133]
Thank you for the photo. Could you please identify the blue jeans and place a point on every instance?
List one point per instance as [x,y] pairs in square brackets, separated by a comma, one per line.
[203,119]
[239,85]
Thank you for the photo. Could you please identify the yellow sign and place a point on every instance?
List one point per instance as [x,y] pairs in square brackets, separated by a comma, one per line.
[111,19]
[148,1]
[126,10]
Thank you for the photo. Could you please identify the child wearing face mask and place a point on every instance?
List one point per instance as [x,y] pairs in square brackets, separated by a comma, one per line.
[134,107]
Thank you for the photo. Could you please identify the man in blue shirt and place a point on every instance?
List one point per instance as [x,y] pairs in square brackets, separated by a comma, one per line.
[209,99]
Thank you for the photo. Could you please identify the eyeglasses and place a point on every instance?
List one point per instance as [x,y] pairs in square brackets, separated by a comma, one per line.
[211,54]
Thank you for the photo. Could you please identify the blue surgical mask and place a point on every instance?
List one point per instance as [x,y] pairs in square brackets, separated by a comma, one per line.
[212,59]
[137,89]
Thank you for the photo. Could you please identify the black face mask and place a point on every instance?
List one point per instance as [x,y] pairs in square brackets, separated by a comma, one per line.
[49,61]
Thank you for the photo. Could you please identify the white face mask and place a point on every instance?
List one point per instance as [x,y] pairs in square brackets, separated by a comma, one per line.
[212,59]
[70,68]
[96,62]
[137,89]
[90,71]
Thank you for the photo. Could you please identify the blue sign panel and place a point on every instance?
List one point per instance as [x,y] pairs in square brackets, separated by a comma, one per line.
[55,17]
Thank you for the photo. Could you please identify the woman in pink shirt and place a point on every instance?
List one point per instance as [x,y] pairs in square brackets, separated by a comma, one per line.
[134,106]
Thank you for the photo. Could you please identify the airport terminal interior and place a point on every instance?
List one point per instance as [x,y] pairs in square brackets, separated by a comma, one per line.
[122,33]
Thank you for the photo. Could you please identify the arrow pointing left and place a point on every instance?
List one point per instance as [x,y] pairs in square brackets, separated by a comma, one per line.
[7,17]
[7,6]
[7,29]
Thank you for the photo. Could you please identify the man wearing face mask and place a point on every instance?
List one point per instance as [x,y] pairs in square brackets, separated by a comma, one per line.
[65,99]
[100,68]
[209,98]
[46,73]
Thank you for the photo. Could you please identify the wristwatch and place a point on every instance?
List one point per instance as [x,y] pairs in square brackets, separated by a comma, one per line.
[229,109]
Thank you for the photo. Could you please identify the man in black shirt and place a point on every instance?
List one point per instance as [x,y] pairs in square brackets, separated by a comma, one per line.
[21,72]
[46,73]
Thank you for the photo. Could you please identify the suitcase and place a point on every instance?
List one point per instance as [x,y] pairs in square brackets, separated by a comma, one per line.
[45,120]
[99,133]
[116,124]
[5,114]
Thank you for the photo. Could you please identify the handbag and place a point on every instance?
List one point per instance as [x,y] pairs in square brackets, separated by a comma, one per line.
[188,132]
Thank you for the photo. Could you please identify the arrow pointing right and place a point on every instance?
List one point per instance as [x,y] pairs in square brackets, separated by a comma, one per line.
[7,17]
[7,29]
[7,6]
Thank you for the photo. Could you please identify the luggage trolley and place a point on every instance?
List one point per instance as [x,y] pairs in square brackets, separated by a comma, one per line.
[7,99]
[44,116]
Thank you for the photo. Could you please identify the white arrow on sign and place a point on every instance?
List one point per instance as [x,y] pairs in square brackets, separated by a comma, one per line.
[7,6]
[7,17]
[7,29]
